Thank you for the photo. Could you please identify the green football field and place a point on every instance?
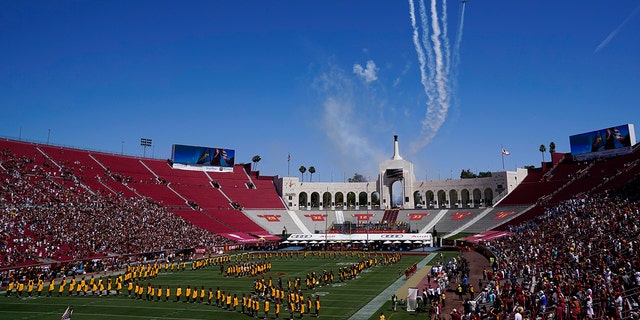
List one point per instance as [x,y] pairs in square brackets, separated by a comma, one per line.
[340,300]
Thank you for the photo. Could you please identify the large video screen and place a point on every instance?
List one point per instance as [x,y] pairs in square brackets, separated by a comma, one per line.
[199,158]
[602,143]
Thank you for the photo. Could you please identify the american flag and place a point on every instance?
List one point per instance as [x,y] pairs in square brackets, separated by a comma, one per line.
[67,314]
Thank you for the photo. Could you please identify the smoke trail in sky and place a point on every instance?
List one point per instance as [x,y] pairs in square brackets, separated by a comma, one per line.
[433,120]
[430,87]
[425,61]
[437,72]
[427,70]
[613,33]
[443,78]
[445,38]
[456,46]
[431,62]
[351,146]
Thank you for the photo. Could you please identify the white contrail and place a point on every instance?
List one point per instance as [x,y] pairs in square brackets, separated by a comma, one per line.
[441,63]
[431,63]
[446,69]
[455,56]
[434,120]
[435,39]
[613,33]
[424,77]
[430,88]
[429,71]
[434,57]
[456,46]
[445,38]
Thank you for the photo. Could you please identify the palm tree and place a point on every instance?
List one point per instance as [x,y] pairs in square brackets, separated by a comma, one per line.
[312,170]
[302,170]
[255,161]
[542,150]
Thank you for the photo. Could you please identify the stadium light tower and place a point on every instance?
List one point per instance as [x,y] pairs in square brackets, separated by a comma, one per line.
[144,142]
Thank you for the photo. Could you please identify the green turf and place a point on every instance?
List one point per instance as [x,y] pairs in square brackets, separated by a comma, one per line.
[460,235]
[339,301]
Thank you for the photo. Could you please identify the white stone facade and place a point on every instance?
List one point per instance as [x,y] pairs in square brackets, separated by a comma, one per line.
[450,193]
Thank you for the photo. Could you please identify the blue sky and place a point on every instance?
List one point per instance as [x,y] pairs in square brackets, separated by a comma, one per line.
[329,82]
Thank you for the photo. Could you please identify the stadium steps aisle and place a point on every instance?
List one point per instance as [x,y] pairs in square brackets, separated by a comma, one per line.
[490,223]
[339,216]
[433,222]
[298,222]
[376,303]
[470,222]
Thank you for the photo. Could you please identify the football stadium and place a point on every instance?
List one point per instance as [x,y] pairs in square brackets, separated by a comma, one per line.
[199,236]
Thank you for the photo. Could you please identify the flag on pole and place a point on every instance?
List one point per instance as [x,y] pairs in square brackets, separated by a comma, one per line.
[505,152]
[67,313]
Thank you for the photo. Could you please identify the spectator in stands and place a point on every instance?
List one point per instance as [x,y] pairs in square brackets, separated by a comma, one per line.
[43,216]
[583,248]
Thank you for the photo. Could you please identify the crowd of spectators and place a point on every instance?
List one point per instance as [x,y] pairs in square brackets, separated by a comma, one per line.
[579,260]
[46,216]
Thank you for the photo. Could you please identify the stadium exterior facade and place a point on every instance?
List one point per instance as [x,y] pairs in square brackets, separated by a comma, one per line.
[415,194]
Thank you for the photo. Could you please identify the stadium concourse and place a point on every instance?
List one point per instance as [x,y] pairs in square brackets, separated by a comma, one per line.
[571,226]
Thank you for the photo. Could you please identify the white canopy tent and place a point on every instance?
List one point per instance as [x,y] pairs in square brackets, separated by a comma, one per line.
[359,237]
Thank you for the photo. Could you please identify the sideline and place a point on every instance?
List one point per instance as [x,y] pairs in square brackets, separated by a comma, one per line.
[376,303]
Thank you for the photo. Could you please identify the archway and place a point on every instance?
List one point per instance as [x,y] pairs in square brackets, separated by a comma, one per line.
[339,199]
[397,193]
[453,199]
[442,199]
[315,200]
[326,199]
[429,199]
[464,197]
[351,199]
[477,197]
[362,199]
[488,196]
[375,199]
[418,200]
[302,200]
